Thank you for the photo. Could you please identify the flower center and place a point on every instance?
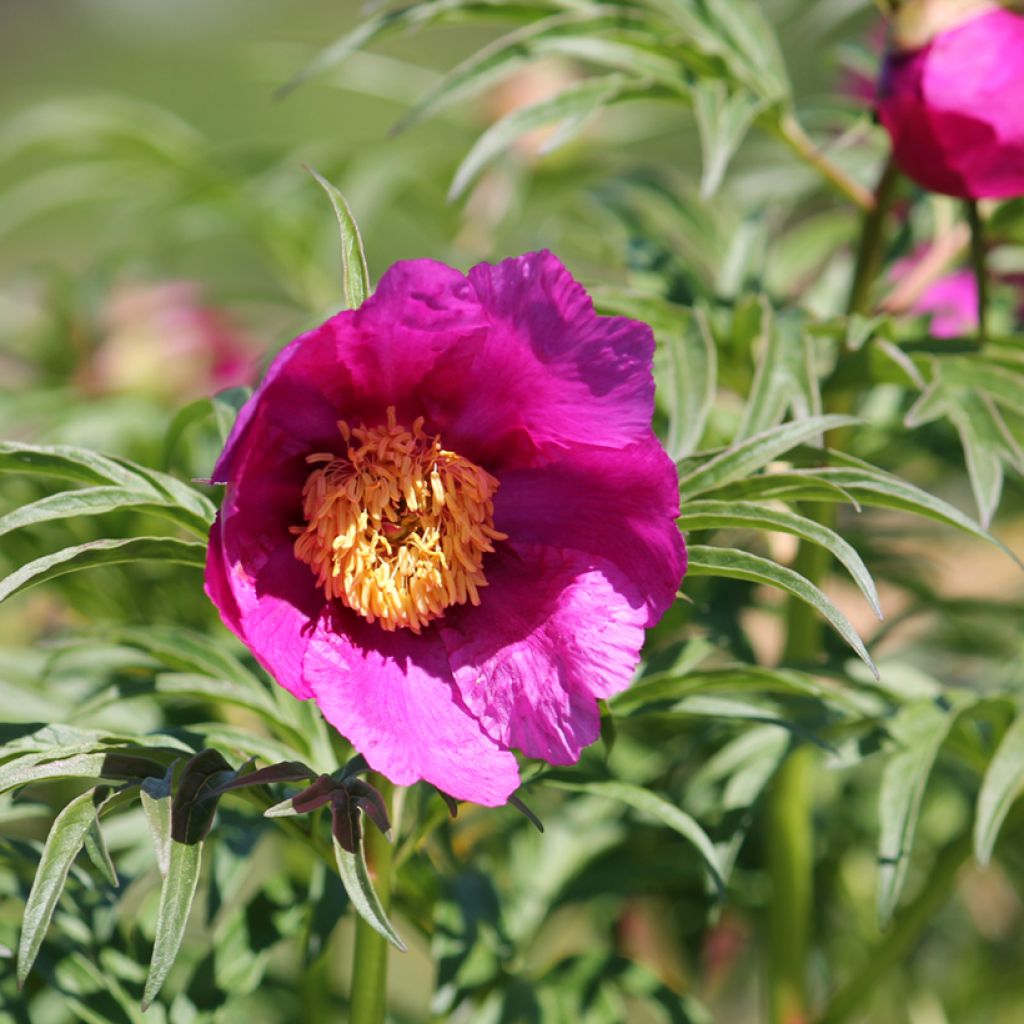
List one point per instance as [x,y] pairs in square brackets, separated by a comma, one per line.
[398,527]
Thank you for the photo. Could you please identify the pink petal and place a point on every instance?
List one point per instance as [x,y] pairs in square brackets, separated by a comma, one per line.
[619,506]
[272,610]
[556,630]
[549,372]
[392,696]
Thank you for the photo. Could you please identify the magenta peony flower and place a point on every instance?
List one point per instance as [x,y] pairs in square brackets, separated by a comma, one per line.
[448,522]
[953,106]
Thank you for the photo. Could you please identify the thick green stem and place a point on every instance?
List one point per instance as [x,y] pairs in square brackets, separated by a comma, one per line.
[370,962]
[870,247]
[978,263]
[791,831]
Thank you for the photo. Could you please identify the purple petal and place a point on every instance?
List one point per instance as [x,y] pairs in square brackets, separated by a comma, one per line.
[392,696]
[620,506]
[547,374]
[556,630]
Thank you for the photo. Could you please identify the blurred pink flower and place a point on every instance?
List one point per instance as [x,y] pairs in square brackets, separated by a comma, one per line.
[448,521]
[954,104]
[951,301]
[163,340]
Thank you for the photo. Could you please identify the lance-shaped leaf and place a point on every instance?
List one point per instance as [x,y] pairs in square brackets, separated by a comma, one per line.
[68,463]
[1003,783]
[703,515]
[741,565]
[657,806]
[355,278]
[920,729]
[356,879]
[176,896]
[571,108]
[66,838]
[284,771]
[723,119]
[755,453]
[103,552]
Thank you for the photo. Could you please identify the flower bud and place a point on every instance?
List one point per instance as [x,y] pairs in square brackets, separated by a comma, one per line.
[950,97]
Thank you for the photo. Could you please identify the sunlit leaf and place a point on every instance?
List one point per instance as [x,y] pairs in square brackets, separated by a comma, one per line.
[356,879]
[1002,784]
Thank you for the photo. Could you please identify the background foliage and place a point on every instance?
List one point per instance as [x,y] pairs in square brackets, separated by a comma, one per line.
[772,806]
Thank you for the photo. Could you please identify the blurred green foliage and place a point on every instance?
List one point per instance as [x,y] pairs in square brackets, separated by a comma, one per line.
[142,145]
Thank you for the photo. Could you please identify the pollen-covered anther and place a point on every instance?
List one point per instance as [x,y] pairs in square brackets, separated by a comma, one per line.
[397,528]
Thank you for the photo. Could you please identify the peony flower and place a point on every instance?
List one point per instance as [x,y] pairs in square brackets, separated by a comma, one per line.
[163,340]
[448,522]
[950,97]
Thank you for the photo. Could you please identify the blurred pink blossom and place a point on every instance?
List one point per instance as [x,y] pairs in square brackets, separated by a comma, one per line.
[162,340]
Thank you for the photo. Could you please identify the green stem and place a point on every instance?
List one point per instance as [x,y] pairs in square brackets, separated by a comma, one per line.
[791,832]
[370,961]
[793,133]
[978,264]
[870,247]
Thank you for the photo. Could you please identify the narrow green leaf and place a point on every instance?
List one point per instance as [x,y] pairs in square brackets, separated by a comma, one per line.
[657,806]
[572,107]
[63,843]
[92,501]
[785,377]
[155,795]
[741,565]
[920,730]
[356,879]
[706,514]
[355,278]
[222,407]
[403,19]
[1003,783]
[723,119]
[103,552]
[36,768]
[754,453]
[66,462]
[176,896]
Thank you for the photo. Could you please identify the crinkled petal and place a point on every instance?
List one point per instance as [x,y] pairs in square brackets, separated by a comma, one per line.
[548,373]
[556,630]
[620,506]
[393,697]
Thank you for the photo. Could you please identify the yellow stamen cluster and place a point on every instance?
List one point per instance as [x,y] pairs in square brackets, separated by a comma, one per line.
[397,528]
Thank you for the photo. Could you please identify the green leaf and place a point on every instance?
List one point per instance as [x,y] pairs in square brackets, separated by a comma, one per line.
[223,407]
[155,795]
[741,565]
[572,107]
[102,552]
[1002,784]
[94,501]
[706,514]
[63,843]
[657,806]
[356,879]
[355,278]
[785,377]
[176,896]
[920,729]
[66,462]
[414,15]
[195,799]
[754,453]
[723,119]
